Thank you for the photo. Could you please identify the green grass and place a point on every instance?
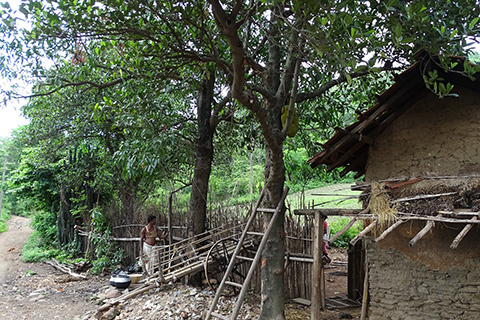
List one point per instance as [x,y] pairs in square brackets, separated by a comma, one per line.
[33,250]
[331,196]
[335,196]
[3,221]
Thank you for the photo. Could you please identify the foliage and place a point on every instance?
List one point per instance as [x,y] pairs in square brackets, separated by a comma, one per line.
[3,221]
[336,224]
[35,250]
[133,74]
[44,223]
[107,254]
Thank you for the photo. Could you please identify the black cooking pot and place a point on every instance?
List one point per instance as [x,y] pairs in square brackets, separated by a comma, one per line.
[120,281]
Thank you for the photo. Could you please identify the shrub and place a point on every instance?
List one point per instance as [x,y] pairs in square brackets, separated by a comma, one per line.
[336,224]
[107,253]
[3,222]
[33,250]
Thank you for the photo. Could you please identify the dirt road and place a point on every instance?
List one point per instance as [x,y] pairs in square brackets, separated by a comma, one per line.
[36,290]
[11,244]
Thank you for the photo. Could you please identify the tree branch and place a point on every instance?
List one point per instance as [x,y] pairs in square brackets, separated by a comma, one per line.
[341,79]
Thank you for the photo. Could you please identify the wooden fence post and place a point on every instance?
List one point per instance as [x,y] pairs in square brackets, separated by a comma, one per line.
[318,275]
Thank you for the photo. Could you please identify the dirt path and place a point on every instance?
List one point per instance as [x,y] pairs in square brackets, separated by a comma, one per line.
[36,290]
[11,244]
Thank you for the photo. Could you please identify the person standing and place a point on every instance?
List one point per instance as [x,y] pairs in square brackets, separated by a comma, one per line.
[149,251]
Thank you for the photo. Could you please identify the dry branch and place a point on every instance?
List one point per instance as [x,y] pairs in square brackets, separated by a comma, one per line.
[425,196]
[363,232]
[462,234]
[64,269]
[390,229]
[430,224]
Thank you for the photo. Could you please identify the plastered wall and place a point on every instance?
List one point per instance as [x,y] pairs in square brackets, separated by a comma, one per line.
[435,137]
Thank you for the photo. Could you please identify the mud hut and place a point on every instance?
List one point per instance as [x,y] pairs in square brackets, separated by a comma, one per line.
[419,156]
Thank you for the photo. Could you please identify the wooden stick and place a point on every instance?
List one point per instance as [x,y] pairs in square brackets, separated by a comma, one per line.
[438,218]
[390,229]
[318,275]
[363,314]
[425,196]
[344,229]
[459,212]
[364,232]
[127,296]
[462,234]
[65,269]
[430,224]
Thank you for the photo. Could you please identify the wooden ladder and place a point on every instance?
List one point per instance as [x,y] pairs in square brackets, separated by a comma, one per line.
[244,287]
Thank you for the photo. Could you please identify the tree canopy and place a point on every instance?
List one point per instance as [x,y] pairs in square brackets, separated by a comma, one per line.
[129,72]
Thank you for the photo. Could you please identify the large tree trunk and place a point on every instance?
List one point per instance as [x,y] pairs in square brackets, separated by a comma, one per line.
[203,159]
[128,197]
[273,300]
[64,218]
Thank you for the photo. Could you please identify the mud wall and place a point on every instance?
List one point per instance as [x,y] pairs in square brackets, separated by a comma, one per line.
[427,281]
[435,137]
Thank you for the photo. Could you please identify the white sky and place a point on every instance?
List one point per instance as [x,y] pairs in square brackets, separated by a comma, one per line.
[10,118]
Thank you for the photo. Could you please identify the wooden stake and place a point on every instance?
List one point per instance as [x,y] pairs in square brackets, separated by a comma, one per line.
[364,232]
[363,314]
[344,229]
[318,277]
[390,229]
[462,234]
[430,224]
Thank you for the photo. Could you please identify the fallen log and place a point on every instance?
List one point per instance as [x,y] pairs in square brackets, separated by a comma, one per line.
[65,269]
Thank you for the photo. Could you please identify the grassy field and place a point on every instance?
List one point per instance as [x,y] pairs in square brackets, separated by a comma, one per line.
[332,196]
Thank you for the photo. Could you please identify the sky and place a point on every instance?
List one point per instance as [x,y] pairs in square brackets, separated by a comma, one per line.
[10,118]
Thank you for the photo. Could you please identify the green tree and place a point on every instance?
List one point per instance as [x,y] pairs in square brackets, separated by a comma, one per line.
[270,54]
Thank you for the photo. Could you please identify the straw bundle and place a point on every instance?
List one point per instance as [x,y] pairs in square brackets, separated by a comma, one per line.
[380,205]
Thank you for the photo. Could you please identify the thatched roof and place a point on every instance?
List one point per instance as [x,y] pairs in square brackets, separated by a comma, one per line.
[348,148]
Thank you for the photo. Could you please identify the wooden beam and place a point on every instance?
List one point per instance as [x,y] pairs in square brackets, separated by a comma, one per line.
[462,234]
[363,314]
[344,229]
[425,196]
[363,232]
[329,212]
[438,218]
[430,224]
[390,229]
[318,276]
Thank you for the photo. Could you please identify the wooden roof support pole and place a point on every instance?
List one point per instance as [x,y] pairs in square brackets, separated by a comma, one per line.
[344,229]
[318,276]
[429,225]
[462,234]
[390,229]
[364,232]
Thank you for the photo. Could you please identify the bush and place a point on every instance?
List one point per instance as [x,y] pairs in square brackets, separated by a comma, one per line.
[3,222]
[107,253]
[45,223]
[336,224]
[33,250]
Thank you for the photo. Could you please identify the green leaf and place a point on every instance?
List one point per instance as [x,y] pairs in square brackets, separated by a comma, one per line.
[349,78]
[473,23]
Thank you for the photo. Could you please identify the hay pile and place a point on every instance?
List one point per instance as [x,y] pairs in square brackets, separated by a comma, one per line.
[385,200]
[381,205]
